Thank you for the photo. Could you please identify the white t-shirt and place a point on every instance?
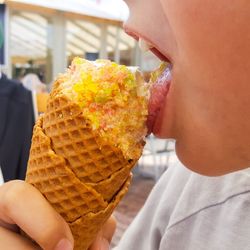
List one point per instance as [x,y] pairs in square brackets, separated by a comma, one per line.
[187,211]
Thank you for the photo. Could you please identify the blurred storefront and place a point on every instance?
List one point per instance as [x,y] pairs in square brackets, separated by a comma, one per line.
[44,36]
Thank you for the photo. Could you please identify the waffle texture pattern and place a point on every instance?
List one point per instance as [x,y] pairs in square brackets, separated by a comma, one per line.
[82,176]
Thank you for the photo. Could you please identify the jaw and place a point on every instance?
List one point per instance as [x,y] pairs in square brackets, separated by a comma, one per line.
[201,159]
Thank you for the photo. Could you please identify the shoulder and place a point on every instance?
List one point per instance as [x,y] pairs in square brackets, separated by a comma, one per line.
[221,226]
[209,194]
[181,194]
[211,213]
[185,209]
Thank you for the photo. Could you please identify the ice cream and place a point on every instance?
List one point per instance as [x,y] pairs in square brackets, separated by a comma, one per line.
[87,141]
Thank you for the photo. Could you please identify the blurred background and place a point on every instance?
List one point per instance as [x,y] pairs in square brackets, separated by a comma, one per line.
[38,40]
[42,36]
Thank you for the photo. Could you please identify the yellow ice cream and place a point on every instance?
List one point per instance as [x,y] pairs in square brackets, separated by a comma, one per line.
[114,98]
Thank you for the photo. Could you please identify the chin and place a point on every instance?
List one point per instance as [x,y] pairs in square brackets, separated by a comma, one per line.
[212,165]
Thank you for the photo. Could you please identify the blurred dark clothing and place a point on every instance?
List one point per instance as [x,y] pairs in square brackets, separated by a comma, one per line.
[16,124]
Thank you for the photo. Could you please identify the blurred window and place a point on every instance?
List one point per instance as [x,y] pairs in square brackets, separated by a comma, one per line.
[29,45]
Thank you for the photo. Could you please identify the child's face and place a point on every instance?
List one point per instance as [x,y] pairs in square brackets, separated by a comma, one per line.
[207,109]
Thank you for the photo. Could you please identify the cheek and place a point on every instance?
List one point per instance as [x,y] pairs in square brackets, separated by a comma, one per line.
[210,93]
[211,61]
[211,35]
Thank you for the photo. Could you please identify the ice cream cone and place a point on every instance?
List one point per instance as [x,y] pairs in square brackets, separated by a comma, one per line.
[80,172]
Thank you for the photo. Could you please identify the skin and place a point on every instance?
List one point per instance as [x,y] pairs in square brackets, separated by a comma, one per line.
[207,107]
[19,203]
[206,110]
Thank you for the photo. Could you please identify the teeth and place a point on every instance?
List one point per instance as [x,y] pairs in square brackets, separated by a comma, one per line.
[145,46]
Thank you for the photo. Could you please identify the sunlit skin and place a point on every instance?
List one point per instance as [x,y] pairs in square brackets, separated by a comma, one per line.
[207,109]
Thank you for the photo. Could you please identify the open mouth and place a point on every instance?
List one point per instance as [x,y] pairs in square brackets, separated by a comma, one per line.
[160,85]
[160,80]
[160,55]
[158,93]
[146,45]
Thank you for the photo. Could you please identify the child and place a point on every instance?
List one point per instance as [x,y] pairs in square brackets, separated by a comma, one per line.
[206,110]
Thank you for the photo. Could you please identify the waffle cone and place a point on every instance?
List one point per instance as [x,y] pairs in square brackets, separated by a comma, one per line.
[82,175]
[85,206]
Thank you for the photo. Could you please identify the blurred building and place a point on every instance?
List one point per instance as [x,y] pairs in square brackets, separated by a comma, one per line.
[43,36]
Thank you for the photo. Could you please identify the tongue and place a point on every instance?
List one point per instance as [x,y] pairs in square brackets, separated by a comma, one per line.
[158,93]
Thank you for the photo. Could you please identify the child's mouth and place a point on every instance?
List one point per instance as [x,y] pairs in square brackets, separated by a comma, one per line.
[161,82]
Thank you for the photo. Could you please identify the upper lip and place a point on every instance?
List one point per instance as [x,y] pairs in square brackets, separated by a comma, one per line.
[156,50]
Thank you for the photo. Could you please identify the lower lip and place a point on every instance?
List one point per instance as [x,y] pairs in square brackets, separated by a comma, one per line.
[159,92]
